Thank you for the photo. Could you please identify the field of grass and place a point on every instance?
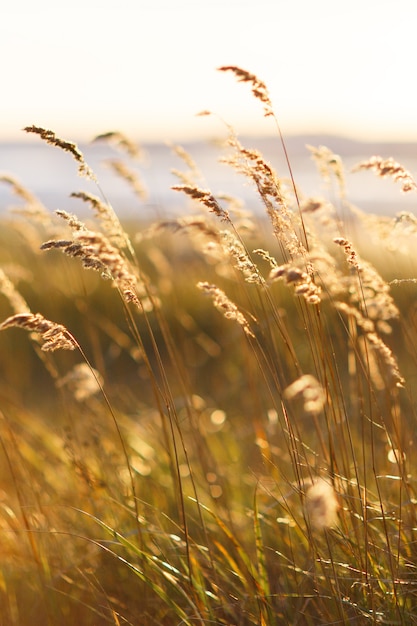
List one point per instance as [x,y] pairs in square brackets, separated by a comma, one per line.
[209,419]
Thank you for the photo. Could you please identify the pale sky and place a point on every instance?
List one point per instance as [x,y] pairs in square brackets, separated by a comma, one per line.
[146,67]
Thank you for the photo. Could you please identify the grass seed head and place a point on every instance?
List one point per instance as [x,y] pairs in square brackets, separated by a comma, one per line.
[119,140]
[321,504]
[130,176]
[310,390]
[389,167]
[55,336]
[83,381]
[259,89]
[206,198]
[226,306]
[68,146]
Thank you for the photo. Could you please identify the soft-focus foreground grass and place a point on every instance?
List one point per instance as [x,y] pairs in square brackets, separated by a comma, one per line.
[232,440]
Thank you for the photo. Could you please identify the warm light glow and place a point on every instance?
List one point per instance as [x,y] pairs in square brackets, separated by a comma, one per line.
[146,67]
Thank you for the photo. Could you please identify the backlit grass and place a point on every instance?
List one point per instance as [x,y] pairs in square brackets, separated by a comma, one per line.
[209,419]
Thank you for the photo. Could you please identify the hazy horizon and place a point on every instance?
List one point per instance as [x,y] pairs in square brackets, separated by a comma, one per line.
[300,139]
[51,174]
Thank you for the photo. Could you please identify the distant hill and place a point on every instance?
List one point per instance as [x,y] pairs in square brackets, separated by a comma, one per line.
[350,149]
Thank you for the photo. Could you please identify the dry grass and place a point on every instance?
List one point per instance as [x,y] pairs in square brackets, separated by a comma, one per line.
[389,167]
[242,459]
[68,146]
[55,336]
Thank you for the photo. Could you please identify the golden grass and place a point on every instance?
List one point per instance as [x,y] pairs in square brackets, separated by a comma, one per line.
[389,167]
[55,336]
[246,458]
[68,146]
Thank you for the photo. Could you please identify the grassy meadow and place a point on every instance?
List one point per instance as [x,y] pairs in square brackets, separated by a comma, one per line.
[209,419]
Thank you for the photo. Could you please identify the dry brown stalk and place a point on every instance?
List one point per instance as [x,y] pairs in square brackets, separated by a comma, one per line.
[55,336]
[389,167]
[259,89]
[68,146]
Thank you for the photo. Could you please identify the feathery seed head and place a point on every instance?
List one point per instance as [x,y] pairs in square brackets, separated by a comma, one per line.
[259,89]
[302,280]
[68,146]
[97,253]
[205,197]
[72,220]
[321,504]
[226,306]
[54,335]
[108,218]
[389,167]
